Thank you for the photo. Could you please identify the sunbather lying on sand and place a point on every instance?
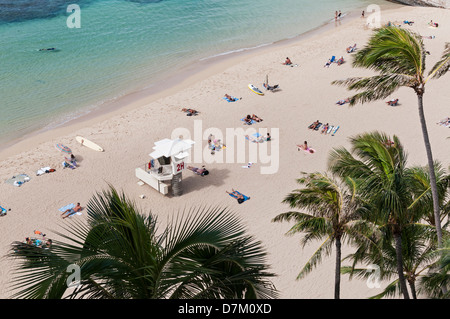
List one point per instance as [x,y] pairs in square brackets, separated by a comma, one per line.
[305,147]
[189,112]
[240,198]
[433,24]
[340,61]
[229,97]
[342,102]
[325,128]
[444,122]
[199,171]
[314,125]
[428,37]
[351,49]
[392,102]
[69,212]
[256,118]
[408,22]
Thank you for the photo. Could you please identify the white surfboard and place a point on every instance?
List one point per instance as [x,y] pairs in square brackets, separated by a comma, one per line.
[329,129]
[85,142]
[255,89]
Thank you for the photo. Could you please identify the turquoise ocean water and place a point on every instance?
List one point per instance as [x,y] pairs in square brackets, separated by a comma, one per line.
[124,46]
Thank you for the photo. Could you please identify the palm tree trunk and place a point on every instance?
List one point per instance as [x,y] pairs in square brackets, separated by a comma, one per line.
[412,285]
[433,184]
[401,277]
[434,191]
[337,275]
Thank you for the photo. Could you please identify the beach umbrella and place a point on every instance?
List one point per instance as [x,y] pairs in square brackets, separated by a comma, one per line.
[63,148]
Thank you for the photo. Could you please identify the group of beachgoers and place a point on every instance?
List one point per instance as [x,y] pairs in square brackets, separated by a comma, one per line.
[36,242]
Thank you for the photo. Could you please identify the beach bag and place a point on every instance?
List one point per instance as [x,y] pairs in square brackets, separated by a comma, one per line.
[206,172]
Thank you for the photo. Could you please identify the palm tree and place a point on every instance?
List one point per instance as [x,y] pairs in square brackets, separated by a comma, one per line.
[122,254]
[398,55]
[331,213]
[439,275]
[421,188]
[418,243]
[378,163]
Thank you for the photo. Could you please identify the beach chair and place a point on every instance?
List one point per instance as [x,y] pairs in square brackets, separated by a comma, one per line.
[333,59]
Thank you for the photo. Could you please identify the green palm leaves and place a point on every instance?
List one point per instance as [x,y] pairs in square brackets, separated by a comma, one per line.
[329,214]
[398,57]
[373,201]
[121,253]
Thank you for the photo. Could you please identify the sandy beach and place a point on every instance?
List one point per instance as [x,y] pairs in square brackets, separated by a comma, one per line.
[128,134]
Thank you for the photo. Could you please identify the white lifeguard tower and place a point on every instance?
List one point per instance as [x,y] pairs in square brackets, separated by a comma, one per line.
[166,167]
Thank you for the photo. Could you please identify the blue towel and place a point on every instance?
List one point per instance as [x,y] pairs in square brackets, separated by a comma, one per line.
[252,122]
[234,196]
[63,209]
[228,100]
[333,58]
[256,134]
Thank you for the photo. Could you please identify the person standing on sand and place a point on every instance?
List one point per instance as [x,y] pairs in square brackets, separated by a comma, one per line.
[335,15]
[339,15]
[362,14]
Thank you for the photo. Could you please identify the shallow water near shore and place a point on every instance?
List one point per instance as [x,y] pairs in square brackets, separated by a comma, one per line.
[124,46]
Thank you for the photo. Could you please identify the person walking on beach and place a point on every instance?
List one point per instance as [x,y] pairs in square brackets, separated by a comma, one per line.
[362,14]
[335,15]
[339,14]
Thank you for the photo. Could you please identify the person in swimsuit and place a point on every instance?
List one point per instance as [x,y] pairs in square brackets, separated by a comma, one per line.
[71,211]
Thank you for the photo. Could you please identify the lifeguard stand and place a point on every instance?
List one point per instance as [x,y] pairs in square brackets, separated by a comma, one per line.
[166,166]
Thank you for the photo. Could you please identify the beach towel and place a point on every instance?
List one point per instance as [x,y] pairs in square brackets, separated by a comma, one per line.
[44,170]
[251,122]
[18,180]
[2,211]
[245,197]
[333,59]
[70,206]
[228,100]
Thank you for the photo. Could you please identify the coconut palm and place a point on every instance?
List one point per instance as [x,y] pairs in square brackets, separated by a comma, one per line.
[439,275]
[398,55]
[378,163]
[421,188]
[121,254]
[330,212]
[418,252]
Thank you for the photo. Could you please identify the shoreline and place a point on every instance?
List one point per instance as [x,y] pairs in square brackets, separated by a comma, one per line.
[170,84]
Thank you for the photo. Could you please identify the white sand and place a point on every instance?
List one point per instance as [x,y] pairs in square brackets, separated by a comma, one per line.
[128,135]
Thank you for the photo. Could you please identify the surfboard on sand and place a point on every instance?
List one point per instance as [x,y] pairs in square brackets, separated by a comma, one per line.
[335,130]
[85,142]
[255,89]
